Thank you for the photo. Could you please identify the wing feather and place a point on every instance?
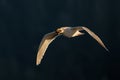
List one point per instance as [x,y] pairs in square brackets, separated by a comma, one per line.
[79,28]
[95,37]
[47,39]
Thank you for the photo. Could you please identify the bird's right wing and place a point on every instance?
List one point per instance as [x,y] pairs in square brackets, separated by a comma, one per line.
[47,39]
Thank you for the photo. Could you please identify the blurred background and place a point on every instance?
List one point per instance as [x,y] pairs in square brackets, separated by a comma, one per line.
[23,23]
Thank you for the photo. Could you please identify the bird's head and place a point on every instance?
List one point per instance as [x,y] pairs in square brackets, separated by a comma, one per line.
[60,30]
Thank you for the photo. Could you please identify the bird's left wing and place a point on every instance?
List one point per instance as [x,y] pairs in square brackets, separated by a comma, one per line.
[47,39]
[95,37]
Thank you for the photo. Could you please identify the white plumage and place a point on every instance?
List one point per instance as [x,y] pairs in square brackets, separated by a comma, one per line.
[66,31]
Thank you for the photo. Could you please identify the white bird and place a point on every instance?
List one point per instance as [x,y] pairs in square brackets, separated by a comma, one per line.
[68,32]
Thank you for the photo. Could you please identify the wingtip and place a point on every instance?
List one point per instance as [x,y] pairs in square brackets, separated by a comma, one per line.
[37,63]
[107,50]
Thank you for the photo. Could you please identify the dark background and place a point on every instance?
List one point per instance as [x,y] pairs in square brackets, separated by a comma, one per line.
[23,23]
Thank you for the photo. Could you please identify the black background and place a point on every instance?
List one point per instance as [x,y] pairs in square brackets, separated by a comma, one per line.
[23,23]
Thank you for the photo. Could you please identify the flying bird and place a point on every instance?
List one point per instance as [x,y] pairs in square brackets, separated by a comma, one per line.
[67,32]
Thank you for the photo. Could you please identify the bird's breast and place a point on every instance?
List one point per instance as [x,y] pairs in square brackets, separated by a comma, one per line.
[69,33]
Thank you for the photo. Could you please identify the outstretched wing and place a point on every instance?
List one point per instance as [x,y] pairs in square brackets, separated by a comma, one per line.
[47,39]
[95,37]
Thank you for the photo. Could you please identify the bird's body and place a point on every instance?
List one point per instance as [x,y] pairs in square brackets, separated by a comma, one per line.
[67,32]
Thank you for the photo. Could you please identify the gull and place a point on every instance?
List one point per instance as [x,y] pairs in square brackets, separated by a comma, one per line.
[67,32]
